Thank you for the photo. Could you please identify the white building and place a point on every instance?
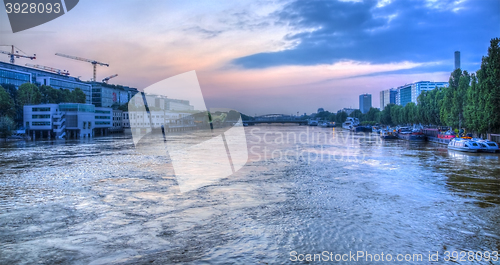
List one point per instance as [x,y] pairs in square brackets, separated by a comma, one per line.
[418,87]
[69,120]
[116,123]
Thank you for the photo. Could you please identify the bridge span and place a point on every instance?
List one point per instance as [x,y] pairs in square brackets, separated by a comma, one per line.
[276,118]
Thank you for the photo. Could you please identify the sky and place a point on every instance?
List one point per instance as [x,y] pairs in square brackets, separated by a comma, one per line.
[262,57]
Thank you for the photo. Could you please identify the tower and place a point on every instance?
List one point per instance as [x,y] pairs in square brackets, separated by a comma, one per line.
[457,59]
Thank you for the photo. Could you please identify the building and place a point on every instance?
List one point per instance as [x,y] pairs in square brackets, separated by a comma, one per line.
[156,102]
[457,59]
[387,97]
[68,120]
[107,95]
[125,120]
[365,102]
[321,110]
[117,123]
[410,92]
[346,110]
[18,75]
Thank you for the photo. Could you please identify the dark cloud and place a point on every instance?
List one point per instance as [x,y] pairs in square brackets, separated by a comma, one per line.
[331,31]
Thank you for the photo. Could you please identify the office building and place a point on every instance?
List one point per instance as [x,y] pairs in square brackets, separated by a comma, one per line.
[107,95]
[18,75]
[66,120]
[387,97]
[410,92]
[365,103]
[457,59]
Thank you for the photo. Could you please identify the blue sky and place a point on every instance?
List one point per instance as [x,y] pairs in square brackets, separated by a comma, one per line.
[268,56]
[383,32]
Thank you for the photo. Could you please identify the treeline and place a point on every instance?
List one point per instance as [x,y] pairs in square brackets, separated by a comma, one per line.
[470,101]
[12,101]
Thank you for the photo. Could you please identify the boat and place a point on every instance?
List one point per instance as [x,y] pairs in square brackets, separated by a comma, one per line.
[487,145]
[350,122]
[464,144]
[313,123]
[408,134]
[327,124]
[387,135]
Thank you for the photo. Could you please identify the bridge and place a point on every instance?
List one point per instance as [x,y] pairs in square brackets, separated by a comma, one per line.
[276,118]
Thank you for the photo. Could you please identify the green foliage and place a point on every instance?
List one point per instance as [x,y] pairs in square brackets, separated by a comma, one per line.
[372,115]
[470,100]
[7,107]
[28,94]
[326,115]
[6,126]
[356,114]
[385,116]
[341,117]
[77,96]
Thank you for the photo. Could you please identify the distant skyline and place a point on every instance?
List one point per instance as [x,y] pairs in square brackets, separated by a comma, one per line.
[262,57]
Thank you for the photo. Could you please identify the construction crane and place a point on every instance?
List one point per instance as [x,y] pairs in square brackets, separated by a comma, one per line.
[16,54]
[106,79]
[47,68]
[93,62]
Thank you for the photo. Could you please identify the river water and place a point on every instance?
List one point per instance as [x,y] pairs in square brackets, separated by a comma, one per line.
[304,190]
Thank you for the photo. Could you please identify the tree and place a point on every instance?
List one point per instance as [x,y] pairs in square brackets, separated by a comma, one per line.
[385,116]
[341,117]
[396,116]
[77,96]
[411,114]
[489,89]
[447,108]
[357,114]
[6,126]
[7,107]
[372,114]
[28,94]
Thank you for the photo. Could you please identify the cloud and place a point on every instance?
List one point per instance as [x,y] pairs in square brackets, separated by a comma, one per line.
[382,32]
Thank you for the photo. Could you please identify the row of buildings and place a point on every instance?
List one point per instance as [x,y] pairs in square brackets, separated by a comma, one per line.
[400,96]
[99,115]
[407,93]
[77,120]
[404,94]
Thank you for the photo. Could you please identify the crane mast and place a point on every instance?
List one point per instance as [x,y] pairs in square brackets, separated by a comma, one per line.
[93,62]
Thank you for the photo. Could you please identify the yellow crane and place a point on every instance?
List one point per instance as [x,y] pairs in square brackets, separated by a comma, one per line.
[16,54]
[93,62]
[48,68]
[106,79]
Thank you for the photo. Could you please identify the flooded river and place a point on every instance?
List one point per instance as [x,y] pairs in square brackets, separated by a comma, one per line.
[304,190]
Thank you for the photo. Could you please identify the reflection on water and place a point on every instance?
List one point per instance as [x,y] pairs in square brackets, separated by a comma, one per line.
[100,201]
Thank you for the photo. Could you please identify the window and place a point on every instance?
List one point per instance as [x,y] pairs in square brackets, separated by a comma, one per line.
[47,116]
[40,109]
[41,123]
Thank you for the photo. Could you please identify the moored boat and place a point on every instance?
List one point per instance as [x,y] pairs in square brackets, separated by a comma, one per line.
[406,133]
[349,123]
[465,144]
[387,135]
[487,145]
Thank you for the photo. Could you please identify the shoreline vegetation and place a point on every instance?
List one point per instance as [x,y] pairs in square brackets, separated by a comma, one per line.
[471,101]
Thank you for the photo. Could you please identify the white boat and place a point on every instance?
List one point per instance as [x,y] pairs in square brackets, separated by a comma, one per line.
[464,145]
[487,145]
[350,123]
